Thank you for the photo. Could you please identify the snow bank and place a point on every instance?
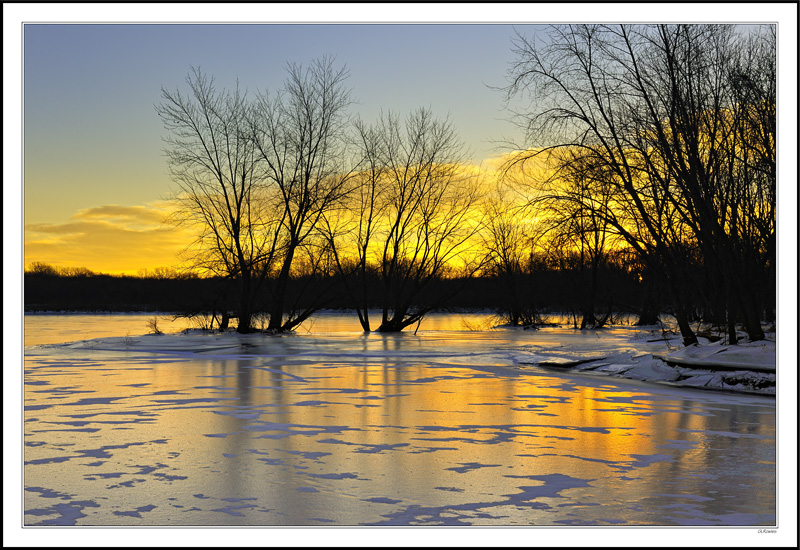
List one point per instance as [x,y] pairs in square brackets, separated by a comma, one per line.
[748,368]
[755,356]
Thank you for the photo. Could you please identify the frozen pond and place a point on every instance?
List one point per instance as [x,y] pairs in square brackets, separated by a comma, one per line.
[337,428]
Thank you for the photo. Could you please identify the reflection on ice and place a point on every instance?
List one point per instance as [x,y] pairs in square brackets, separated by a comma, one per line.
[438,428]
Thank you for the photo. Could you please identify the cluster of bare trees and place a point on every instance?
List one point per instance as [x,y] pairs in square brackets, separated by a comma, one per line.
[284,184]
[412,214]
[662,136]
[649,149]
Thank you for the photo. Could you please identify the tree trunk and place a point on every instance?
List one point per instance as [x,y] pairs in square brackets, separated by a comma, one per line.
[393,323]
[682,314]
[731,318]
[279,298]
[363,318]
[648,314]
[245,312]
[682,317]
[589,320]
[752,318]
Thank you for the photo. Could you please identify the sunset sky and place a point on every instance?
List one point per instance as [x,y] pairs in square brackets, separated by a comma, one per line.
[94,172]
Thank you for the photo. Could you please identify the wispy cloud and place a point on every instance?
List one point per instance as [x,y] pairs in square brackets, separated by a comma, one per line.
[130,214]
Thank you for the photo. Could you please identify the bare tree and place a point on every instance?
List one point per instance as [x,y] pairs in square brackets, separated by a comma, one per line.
[214,164]
[509,239]
[299,136]
[411,218]
[653,106]
[576,210]
[699,148]
[351,234]
[41,268]
[750,165]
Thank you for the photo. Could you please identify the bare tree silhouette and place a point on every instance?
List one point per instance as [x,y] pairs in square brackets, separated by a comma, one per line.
[679,121]
[213,162]
[299,134]
[411,216]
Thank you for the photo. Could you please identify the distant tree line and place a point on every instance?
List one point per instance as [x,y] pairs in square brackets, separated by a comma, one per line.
[526,295]
[48,288]
[51,288]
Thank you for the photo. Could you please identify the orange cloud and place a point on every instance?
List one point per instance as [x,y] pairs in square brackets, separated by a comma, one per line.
[109,239]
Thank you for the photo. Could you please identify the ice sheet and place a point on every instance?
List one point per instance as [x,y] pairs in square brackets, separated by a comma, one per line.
[438,428]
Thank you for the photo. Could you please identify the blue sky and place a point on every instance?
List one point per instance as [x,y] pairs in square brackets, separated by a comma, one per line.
[90,90]
[92,138]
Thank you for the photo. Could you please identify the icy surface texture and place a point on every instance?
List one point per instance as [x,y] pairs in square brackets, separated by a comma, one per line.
[438,428]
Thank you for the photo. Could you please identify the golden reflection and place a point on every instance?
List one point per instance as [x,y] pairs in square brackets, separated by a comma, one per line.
[277,440]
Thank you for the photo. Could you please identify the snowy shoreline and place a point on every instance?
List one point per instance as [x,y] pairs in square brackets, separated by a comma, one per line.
[747,367]
[708,375]
[628,352]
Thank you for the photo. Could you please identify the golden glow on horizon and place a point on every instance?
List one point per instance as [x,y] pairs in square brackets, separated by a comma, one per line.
[127,240]
[113,239]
